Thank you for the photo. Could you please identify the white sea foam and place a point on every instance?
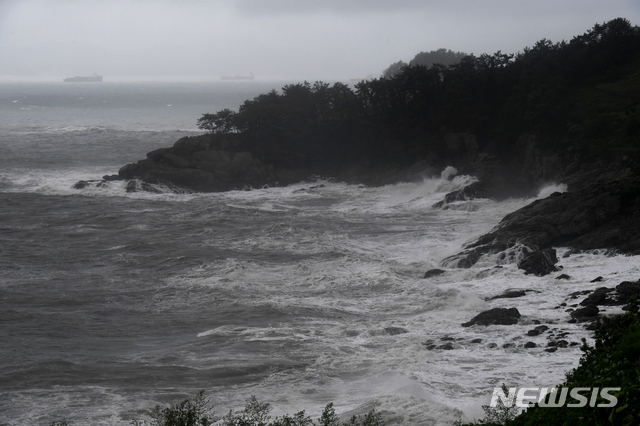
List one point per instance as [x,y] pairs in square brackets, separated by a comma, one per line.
[551,188]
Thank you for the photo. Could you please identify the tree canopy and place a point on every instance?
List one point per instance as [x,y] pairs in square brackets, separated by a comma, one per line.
[583,93]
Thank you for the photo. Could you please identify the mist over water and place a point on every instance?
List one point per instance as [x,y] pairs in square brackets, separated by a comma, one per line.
[113,302]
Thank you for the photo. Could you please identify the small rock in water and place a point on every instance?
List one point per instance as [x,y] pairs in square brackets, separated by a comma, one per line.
[536,331]
[576,294]
[433,273]
[563,277]
[81,184]
[500,316]
[392,331]
[446,347]
[429,344]
[509,294]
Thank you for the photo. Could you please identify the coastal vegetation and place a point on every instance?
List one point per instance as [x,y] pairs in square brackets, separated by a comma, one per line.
[427,59]
[579,95]
[255,413]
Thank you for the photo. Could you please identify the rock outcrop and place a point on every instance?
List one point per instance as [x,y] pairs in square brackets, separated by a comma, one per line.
[601,215]
[204,163]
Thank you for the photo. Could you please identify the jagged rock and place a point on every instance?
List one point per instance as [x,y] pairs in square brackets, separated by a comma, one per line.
[600,297]
[539,263]
[206,163]
[500,316]
[593,216]
[433,273]
[597,280]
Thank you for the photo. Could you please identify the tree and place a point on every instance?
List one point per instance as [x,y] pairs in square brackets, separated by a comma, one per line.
[223,121]
[187,413]
[440,56]
[394,69]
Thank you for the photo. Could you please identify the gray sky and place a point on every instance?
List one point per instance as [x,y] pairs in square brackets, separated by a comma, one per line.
[293,39]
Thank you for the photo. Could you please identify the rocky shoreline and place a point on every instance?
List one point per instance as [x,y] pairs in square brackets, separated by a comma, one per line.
[587,312]
[600,209]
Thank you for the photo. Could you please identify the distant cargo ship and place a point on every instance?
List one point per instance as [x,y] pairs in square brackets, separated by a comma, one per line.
[239,77]
[84,79]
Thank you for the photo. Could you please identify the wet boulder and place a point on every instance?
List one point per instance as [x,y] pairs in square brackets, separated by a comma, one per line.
[585,314]
[510,294]
[626,289]
[499,316]
[538,330]
[599,214]
[434,273]
[539,263]
[600,296]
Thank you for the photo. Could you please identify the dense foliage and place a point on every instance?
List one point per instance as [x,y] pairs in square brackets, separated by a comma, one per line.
[580,95]
[428,59]
[255,413]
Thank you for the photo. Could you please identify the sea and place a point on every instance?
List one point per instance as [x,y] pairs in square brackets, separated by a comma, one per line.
[112,302]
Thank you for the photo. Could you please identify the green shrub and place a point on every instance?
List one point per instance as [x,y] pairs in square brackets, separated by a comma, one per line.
[255,413]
